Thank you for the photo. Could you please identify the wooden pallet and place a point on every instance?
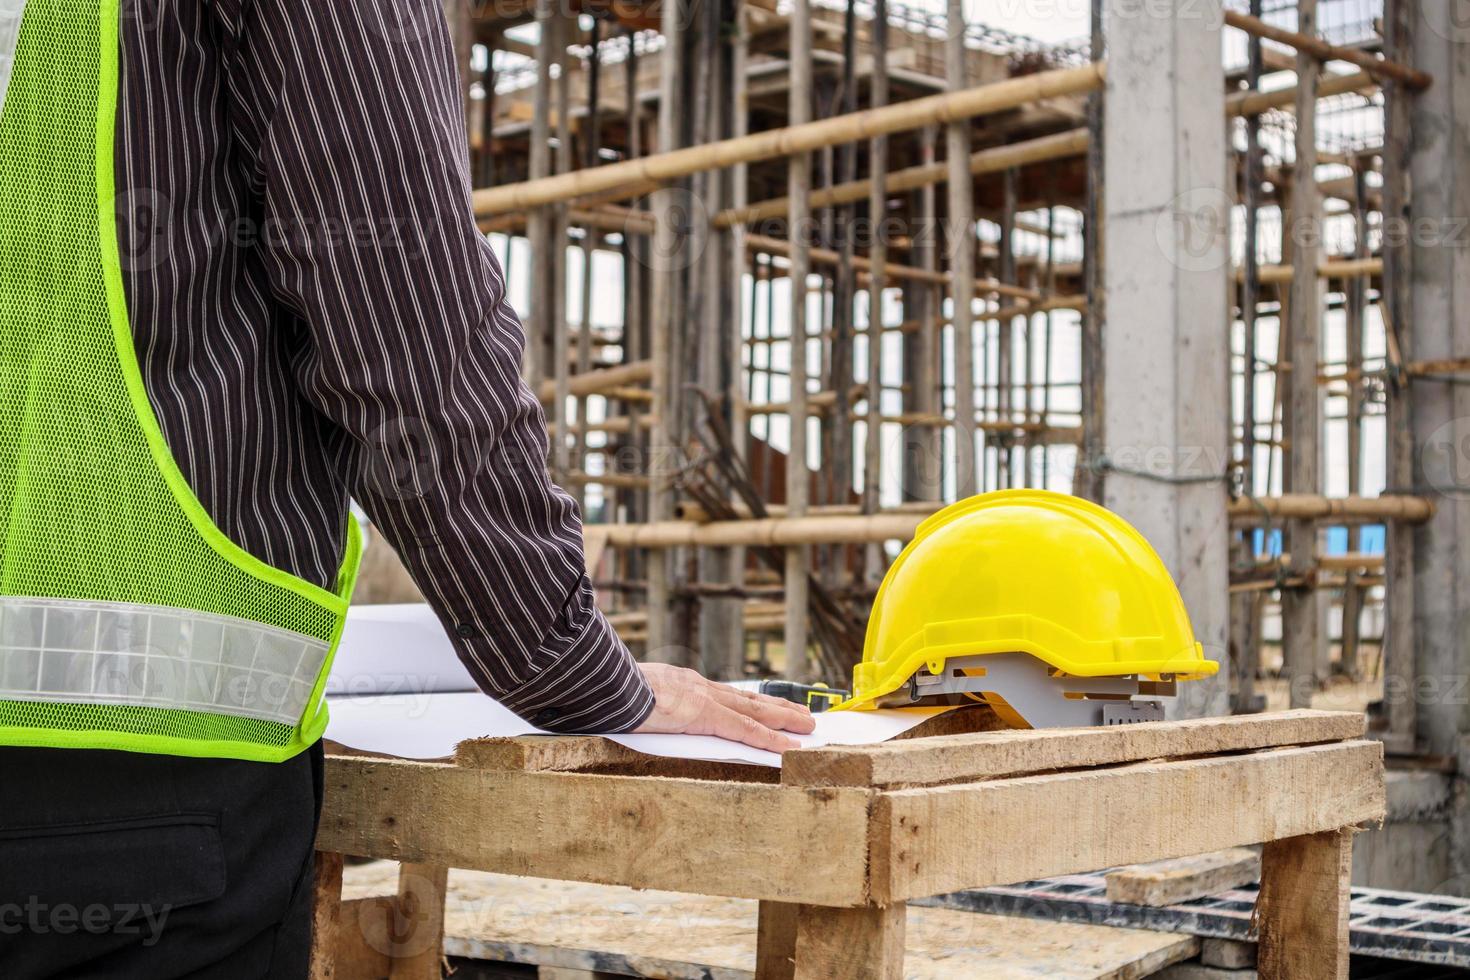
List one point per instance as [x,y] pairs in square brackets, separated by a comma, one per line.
[849,833]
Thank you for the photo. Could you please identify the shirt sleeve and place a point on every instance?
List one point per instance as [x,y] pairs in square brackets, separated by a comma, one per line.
[349,121]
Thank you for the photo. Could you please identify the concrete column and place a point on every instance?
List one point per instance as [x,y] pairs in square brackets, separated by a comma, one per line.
[1165,422]
[1439,410]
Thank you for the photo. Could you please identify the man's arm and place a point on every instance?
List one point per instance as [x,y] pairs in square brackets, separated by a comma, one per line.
[408,345]
[352,128]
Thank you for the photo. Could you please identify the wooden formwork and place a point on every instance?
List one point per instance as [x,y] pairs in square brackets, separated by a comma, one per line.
[848,834]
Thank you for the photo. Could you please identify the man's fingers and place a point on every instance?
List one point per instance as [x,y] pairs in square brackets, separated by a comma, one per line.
[730,724]
[771,712]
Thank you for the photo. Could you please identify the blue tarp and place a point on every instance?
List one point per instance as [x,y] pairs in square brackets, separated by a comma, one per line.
[1371,542]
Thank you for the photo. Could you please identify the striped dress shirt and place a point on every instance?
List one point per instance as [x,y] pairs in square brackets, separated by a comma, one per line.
[318,318]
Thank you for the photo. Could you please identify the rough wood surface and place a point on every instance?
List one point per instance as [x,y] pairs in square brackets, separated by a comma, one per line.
[775,940]
[364,940]
[685,937]
[692,835]
[326,899]
[1184,879]
[989,755]
[1069,822]
[861,942]
[418,923]
[1302,911]
[591,754]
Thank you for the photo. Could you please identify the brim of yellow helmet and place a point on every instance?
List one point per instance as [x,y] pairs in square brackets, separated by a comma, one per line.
[1188,666]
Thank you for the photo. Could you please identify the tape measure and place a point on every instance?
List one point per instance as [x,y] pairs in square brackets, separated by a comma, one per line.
[817,697]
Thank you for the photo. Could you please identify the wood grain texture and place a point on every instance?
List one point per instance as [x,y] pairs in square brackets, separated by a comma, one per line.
[1302,912]
[364,940]
[326,903]
[417,951]
[775,942]
[862,942]
[990,755]
[743,840]
[935,840]
[591,754]
[691,937]
[1178,880]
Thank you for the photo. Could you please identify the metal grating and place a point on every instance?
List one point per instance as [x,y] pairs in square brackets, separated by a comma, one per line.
[1407,926]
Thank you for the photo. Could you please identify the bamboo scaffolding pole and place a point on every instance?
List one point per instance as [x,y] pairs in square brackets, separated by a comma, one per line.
[799,181]
[792,533]
[1355,329]
[1405,508]
[1303,643]
[960,234]
[1330,269]
[826,256]
[924,457]
[1323,51]
[690,511]
[1005,333]
[873,558]
[1087,476]
[665,282]
[799,137]
[539,222]
[560,27]
[1245,610]
[620,425]
[994,160]
[841,526]
[1057,146]
[1255,103]
[601,381]
[1069,143]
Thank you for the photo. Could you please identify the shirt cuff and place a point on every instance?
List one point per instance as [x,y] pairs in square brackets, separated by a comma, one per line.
[588,682]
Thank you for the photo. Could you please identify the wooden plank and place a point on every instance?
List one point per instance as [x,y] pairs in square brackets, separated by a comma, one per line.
[862,942]
[1184,879]
[541,753]
[621,931]
[1302,911]
[364,941]
[942,839]
[326,909]
[989,755]
[418,923]
[591,753]
[744,840]
[775,941]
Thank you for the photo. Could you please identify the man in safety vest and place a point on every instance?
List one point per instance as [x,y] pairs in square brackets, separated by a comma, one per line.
[239,274]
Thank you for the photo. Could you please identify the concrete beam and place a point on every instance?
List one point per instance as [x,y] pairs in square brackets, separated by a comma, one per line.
[1440,328]
[1440,410]
[1166,264]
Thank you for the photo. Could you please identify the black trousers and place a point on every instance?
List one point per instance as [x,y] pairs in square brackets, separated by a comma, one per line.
[121,865]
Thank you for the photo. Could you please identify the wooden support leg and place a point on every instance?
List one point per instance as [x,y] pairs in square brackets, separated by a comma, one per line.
[775,942]
[326,914]
[862,942]
[1302,911]
[418,923]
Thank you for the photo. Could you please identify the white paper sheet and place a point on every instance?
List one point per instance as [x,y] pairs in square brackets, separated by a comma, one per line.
[396,649]
[428,726]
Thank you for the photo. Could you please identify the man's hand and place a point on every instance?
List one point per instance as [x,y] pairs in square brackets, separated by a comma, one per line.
[686,703]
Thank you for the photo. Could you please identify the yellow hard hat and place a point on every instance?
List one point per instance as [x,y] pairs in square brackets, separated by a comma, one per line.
[1025,572]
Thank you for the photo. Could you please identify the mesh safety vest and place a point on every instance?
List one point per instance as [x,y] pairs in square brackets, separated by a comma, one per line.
[127,619]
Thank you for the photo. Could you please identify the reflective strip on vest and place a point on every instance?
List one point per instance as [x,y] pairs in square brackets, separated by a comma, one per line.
[156,657]
[11,14]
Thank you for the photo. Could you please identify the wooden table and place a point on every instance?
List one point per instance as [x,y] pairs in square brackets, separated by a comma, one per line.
[834,843]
